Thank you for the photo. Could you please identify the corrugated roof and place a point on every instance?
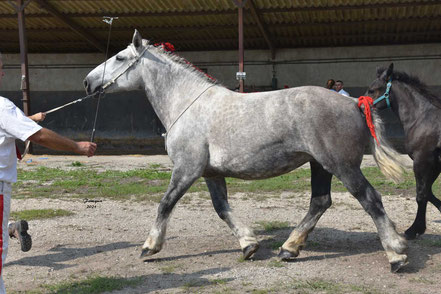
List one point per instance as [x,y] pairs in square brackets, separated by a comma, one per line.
[52,25]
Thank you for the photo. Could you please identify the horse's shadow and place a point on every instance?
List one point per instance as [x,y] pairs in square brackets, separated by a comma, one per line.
[62,254]
[328,243]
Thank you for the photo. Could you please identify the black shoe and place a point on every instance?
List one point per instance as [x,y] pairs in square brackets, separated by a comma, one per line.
[19,230]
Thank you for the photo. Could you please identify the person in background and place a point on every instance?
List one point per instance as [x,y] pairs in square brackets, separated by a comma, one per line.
[339,88]
[330,84]
[15,125]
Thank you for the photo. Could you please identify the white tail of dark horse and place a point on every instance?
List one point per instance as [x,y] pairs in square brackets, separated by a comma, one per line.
[387,158]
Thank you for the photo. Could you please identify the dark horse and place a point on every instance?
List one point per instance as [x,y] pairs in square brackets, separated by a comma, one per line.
[420,114]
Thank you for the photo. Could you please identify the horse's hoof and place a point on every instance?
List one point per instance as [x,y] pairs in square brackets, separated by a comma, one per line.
[285,255]
[249,250]
[147,252]
[396,266]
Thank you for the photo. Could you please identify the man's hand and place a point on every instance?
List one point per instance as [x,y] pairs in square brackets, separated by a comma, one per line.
[86,148]
[38,116]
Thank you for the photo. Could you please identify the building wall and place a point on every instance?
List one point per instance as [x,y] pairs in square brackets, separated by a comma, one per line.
[127,123]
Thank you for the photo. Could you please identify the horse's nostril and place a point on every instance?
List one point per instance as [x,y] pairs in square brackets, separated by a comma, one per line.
[85,83]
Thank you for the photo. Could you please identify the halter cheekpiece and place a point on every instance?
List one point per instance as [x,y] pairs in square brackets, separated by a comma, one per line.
[385,95]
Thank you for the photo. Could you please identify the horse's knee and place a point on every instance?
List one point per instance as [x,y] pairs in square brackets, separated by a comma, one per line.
[321,203]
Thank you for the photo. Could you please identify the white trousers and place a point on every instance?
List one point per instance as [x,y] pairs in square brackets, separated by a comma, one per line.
[5,207]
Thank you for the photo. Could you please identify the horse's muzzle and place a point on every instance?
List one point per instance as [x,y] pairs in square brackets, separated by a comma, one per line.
[87,86]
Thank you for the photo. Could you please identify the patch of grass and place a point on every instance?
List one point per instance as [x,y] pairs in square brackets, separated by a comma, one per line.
[429,243]
[421,280]
[275,245]
[269,226]
[93,285]
[77,163]
[328,287]
[33,214]
[276,263]
[218,281]
[241,259]
[143,184]
[317,285]
[168,269]
[191,284]
[312,244]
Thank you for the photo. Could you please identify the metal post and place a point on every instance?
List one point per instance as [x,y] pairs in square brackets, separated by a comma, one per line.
[24,60]
[241,50]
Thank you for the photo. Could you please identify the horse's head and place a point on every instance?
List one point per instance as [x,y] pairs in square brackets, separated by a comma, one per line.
[379,86]
[121,72]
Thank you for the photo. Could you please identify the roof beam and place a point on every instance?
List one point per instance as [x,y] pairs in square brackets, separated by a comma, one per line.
[234,11]
[233,26]
[234,40]
[262,28]
[72,25]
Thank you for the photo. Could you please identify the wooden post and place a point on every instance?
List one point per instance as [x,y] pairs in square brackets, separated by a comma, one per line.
[24,60]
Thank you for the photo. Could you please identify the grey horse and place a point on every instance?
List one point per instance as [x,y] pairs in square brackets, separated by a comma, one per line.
[213,132]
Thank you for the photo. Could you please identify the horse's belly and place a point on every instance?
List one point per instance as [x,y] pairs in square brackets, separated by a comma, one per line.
[259,165]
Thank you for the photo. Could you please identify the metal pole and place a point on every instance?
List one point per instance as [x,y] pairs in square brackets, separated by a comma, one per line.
[24,61]
[241,54]
[23,58]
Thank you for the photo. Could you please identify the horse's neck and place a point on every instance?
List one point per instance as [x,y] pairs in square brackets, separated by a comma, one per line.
[409,106]
[171,92]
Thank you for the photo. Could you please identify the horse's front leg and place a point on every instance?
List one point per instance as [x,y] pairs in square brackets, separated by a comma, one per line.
[182,179]
[425,175]
[218,192]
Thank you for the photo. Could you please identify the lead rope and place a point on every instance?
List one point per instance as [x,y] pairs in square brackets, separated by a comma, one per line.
[179,116]
[109,21]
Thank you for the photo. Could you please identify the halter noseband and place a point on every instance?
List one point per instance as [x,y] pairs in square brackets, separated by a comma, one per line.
[138,56]
[385,95]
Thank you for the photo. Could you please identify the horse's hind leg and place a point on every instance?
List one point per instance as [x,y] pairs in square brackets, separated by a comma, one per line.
[370,199]
[180,181]
[425,175]
[218,192]
[320,201]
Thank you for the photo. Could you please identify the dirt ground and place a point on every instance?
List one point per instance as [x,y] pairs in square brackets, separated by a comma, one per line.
[343,253]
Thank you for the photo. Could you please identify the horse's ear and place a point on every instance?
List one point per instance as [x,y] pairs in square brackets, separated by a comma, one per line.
[387,74]
[137,40]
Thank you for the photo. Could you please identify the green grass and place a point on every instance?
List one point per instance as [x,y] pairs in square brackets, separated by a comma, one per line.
[77,163]
[269,226]
[328,287]
[93,285]
[33,214]
[429,243]
[149,184]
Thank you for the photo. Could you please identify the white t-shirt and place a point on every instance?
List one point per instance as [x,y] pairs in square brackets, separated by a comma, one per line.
[343,92]
[13,125]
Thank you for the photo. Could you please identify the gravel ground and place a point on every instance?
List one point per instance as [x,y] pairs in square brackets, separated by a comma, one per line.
[201,254]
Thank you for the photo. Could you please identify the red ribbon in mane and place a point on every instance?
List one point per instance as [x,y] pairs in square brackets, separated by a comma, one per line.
[170,48]
[368,102]
[166,46]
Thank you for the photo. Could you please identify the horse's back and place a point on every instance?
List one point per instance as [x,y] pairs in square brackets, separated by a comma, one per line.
[275,132]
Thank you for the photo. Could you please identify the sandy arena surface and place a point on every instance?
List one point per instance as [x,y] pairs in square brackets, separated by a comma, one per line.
[202,256]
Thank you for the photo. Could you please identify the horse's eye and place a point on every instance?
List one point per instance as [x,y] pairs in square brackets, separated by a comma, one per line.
[370,91]
[119,58]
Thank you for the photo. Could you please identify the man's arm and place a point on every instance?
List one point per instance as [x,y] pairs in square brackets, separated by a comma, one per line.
[52,140]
